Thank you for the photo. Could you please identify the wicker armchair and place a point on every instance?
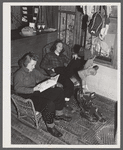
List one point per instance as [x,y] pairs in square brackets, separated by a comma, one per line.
[26,110]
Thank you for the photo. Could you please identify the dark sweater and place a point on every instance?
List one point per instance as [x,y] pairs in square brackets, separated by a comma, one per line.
[51,60]
[25,81]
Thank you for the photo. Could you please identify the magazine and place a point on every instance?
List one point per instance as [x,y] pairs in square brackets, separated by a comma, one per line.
[48,83]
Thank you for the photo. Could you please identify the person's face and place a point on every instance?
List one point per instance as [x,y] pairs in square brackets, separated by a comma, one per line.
[31,65]
[59,47]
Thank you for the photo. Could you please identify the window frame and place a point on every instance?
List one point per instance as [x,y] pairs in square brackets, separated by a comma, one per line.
[60,11]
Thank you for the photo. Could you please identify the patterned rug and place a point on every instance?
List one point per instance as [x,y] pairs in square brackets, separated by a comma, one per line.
[77,132]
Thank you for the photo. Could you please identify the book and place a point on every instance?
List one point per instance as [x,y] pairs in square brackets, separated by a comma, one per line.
[48,83]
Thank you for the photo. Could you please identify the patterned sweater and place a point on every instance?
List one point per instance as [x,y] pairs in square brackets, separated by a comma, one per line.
[51,60]
[25,81]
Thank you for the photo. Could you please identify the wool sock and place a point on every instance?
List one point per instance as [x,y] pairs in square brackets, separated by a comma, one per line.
[59,112]
[67,99]
[51,125]
[85,88]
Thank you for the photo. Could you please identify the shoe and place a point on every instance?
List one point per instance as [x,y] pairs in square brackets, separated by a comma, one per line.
[76,83]
[89,117]
[96,67]
[53,131]
[68,107]
[102,120]
[63,117]
[99,116]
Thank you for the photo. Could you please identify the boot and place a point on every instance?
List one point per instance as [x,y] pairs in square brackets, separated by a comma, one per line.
[53,131]
[99,116]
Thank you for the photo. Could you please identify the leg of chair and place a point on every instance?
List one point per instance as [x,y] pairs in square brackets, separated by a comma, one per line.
[37,119]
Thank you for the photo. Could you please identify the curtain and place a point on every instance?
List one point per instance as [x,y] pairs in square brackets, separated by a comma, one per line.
[78,28]
[51,16]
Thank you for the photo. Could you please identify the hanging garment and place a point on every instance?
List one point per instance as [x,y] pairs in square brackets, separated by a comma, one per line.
[95,24]
[100,47]
[84,21]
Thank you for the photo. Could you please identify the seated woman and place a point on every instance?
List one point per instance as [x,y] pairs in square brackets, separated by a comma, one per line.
[49,102]
[56,62]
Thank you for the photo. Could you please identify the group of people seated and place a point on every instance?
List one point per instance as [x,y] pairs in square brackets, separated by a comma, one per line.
[52,101]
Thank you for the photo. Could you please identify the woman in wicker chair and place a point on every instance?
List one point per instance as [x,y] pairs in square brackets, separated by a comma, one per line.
[55,62]
[49,102]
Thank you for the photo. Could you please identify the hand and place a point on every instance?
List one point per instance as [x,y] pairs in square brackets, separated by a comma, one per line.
[53,86]
[51,72]
[75,56]
[37,88]
[59,85]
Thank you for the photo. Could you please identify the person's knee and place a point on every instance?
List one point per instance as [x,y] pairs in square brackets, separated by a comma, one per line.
[50,106]
[71,84]
[59,92]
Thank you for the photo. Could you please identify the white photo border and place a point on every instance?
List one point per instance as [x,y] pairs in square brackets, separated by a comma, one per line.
[7,76]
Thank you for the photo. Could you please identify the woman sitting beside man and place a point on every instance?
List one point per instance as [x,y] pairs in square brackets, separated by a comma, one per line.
[49,102]
[56,62]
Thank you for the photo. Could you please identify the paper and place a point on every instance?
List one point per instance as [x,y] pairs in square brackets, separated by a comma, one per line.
[48,83]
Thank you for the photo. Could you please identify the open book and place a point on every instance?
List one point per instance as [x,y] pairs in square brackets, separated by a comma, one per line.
[48,83]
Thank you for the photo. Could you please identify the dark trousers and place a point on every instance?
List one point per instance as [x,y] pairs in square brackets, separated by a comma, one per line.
[67,72]
[47,102]
[74,66]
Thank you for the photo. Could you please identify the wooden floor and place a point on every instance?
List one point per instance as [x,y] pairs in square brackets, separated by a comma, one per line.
[77,132]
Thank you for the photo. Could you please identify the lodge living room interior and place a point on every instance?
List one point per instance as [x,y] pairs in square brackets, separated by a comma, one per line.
[70,24]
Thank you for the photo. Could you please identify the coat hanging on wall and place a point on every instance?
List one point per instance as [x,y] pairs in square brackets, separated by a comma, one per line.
[84,21]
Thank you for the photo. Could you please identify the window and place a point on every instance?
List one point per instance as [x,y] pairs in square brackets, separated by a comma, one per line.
[66,23]
[106,48]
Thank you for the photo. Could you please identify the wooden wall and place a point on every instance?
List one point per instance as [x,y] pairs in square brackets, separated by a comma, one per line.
[33,44]
[15,17]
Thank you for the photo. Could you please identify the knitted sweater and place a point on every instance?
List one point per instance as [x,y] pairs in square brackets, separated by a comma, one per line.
[25,81]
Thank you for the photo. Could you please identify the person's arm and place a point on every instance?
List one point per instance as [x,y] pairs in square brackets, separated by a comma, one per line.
[66,60]
[45,64]
[75,56]
[40,76]
[19,86]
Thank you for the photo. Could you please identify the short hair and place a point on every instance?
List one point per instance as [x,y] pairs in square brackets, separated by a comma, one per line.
[76,48]
[25,60]
[53,47]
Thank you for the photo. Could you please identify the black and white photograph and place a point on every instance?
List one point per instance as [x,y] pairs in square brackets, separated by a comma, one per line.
[61,75]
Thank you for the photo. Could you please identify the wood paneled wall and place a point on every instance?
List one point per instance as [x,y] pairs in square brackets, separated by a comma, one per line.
[16,17]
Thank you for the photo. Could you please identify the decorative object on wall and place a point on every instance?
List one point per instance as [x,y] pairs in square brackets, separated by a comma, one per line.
[40,20]
[66,24]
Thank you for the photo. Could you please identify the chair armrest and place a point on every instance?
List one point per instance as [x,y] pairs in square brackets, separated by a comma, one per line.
[19,98]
